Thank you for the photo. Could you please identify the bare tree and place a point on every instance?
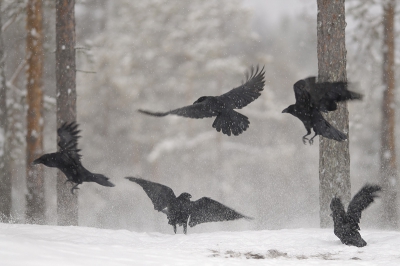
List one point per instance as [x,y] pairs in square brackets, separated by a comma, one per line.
[334,157]
[5,173]
[388,168]
[35,211]
[67,204]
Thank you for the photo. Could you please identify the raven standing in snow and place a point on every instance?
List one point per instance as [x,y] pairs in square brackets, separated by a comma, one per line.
[346,224]
[313,98]
[178,209]
[228,120]
[68,159]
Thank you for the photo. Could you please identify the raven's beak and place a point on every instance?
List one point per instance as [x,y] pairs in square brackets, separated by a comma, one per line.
[285,110]
[35,162]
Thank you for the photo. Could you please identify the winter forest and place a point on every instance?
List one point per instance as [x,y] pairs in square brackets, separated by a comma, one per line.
[109,59]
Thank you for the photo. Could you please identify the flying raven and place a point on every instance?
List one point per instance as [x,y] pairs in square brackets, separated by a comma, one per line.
[228,120]
[68,159]
[346,224]
[178,209]
[313,98]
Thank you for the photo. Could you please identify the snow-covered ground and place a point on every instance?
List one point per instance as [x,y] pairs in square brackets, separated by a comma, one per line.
[53,245]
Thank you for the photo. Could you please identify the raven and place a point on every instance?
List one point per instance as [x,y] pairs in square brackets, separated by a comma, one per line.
[178,209]
[68,159]
[346,224]
[228,120]
[313,98]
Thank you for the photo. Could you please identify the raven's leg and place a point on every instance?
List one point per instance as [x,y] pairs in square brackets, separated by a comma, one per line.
[185,228]
[174,228]
[311,141]
[304,137]
[74,187]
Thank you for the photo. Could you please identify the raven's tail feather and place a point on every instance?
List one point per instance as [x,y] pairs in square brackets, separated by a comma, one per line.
[101,180]
[231,122]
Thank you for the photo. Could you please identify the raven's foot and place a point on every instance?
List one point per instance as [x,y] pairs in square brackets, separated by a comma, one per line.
[73,188]
[311,141]
[174,228]
[304,140]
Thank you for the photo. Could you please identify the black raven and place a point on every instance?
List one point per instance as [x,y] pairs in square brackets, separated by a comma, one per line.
[346,224]
[178,209]
[228,120]
[313,98]
[68,159]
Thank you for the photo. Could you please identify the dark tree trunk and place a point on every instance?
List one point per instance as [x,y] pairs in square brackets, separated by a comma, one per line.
[67,204]
[5,171]
[334,157]
[388,168]
[35,212]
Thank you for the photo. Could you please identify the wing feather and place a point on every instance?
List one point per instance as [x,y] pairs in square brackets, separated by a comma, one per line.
[197,110]
[241,96]
[159,194]
[68,140]
[361,201]
[207,210]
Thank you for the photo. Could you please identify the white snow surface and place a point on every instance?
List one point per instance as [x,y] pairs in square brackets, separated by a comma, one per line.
[22,244]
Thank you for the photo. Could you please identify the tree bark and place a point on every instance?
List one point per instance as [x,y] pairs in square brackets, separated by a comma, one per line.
[388,167]
[35,212]
[67,203]
[334,157]
[5,170]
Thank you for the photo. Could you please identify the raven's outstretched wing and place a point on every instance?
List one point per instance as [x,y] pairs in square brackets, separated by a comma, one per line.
[323,128]
[207,210]
[68,143]
[241,96]
[302,96]
[325,95]
[361,201]
[337,208]
[159,194]
[196,110]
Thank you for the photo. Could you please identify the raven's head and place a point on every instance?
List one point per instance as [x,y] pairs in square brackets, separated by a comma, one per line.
[46,159]
[289,110]
[201,99]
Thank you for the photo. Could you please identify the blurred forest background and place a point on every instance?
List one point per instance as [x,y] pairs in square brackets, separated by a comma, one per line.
[160,55]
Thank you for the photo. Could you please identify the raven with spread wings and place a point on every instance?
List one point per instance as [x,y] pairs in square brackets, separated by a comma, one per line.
[180,210]
[346,223]
[313,98]
[227,120]
[68,159]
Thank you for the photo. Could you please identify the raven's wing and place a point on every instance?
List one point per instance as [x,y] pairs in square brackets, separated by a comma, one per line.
[325,95]
[338,212]
[68,140]
[241,96]
[323,128]
[301,94]
[361,201]
[160,195]
[196,110]
[207,210]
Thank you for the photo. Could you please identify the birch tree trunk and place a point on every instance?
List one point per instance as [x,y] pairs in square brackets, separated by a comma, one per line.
[5,171]
[334,157]
[67,203]
[388,168]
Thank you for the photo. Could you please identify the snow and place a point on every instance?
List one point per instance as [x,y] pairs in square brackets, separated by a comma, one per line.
[22,244]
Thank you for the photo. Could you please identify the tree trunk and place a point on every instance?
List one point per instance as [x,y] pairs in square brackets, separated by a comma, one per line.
[388,169]
[35,210]
[5,170]
[334,157]
[67,204]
